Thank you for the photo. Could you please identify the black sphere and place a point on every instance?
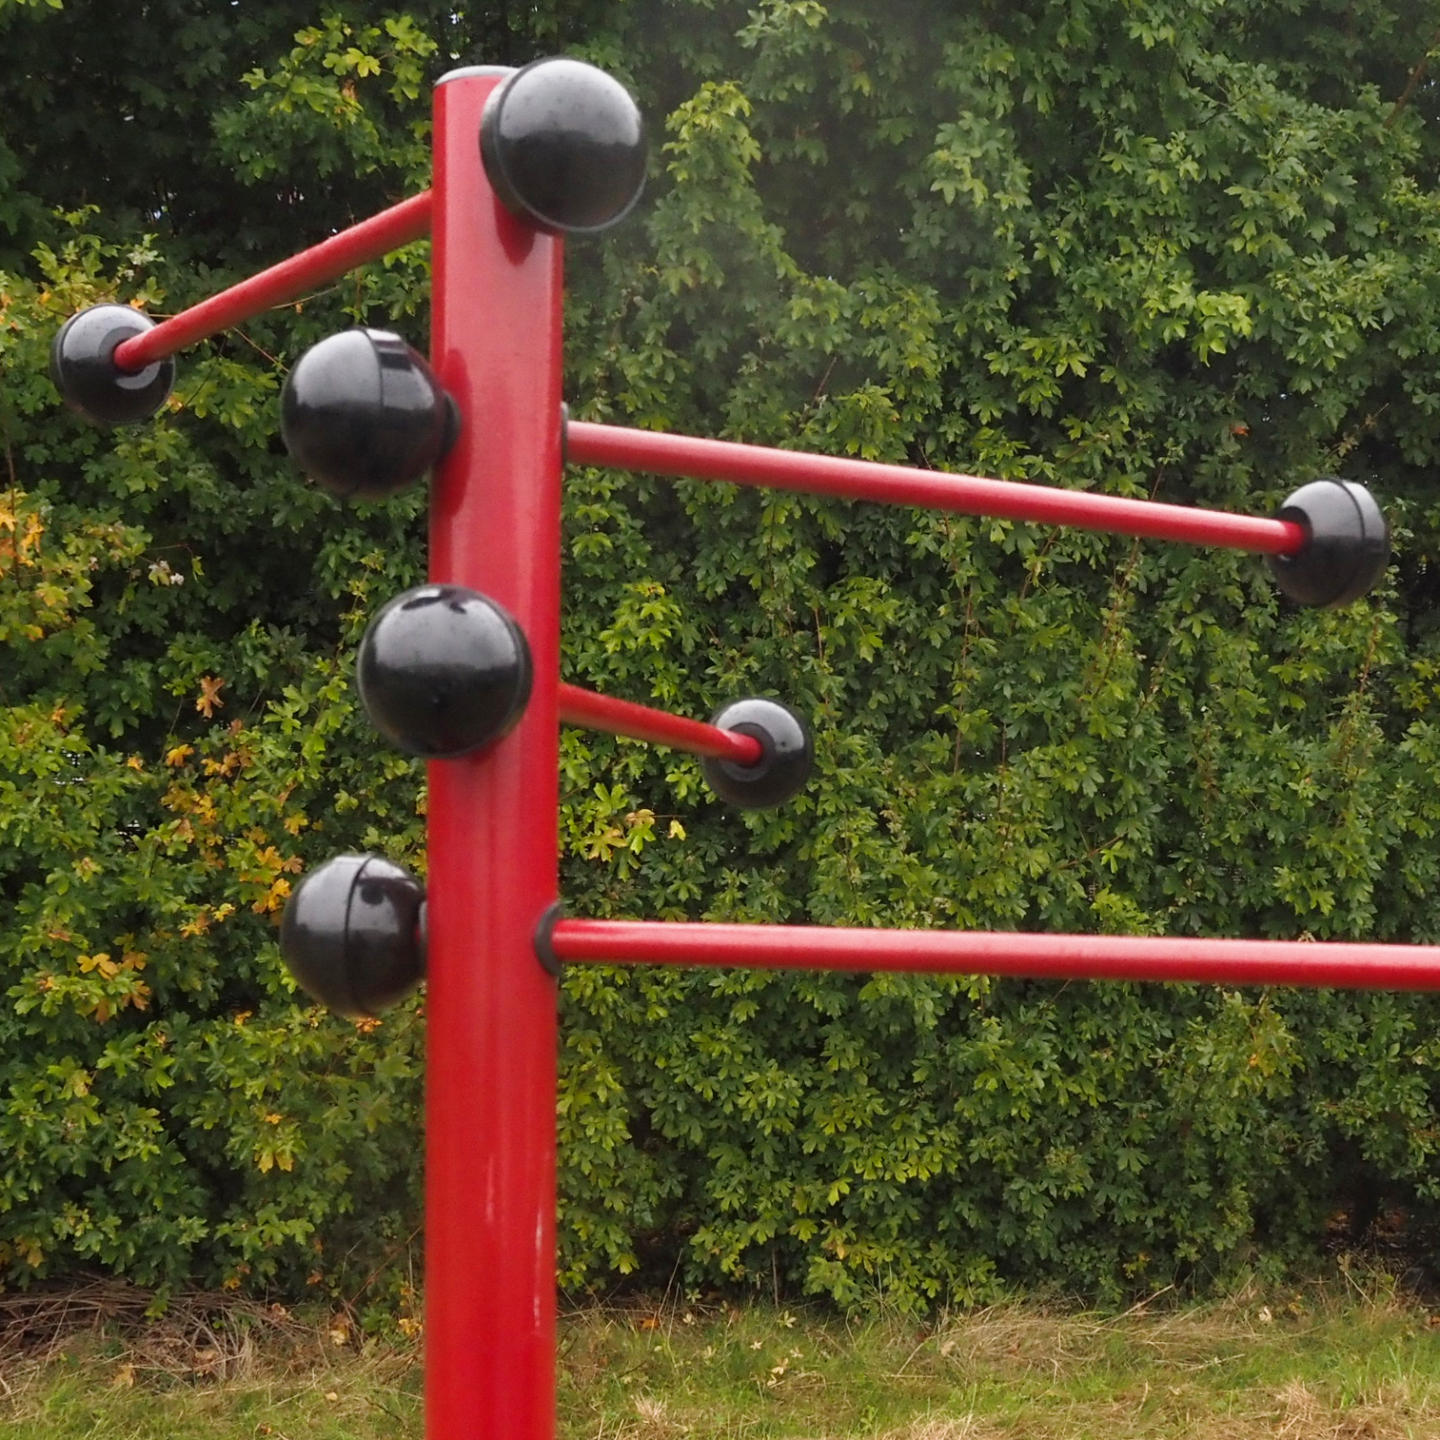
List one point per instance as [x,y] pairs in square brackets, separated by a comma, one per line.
[787,755]
[443,671]
[363,415]
[353,934]
[82,365]
[564,146]
[1347,544]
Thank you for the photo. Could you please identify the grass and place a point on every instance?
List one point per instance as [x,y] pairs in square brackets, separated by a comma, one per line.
[1327,1363]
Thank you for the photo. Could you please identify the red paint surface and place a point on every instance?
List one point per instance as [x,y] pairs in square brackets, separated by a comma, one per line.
[640,722]
[290,279]
[660,454]
[490,1007]
[1059,957]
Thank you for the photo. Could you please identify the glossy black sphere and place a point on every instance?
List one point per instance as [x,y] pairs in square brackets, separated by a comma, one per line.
[363,415]
[443,671]
[785,762]
[83,368]
[564,146]
[353,934]
[1347,546]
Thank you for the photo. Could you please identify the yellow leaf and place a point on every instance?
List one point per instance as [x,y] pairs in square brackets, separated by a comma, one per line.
[210,701]
[197,926]
[179,755]
[677,830]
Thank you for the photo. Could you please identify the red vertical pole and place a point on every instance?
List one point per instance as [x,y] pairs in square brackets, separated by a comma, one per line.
[490,1007]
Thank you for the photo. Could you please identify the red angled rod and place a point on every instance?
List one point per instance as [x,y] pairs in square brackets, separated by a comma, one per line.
[660,454]
[341,253]
[1057,957]
[640,722]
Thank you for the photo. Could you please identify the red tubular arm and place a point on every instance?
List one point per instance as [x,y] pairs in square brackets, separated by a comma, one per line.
[640,722]
[661,454]
[341,253]
[1058,957]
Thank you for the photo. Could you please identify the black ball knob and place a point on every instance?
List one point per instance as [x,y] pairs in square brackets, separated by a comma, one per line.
[443,671]
[82,365]
[786,755]
[1347,544]
[353,934]
[564,146]
[363,415]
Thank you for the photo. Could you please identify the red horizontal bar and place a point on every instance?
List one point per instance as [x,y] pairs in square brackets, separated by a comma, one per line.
[640,722]
[342,252]
[1056,957]
[660,454]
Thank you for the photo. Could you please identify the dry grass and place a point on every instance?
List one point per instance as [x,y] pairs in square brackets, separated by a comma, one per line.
[1330,1363]
[194,1335]
[98,1360]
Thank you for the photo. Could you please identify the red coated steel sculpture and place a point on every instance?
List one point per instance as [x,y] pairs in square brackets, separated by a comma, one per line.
[465,671]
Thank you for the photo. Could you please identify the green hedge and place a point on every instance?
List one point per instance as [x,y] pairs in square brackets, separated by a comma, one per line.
[1169,250]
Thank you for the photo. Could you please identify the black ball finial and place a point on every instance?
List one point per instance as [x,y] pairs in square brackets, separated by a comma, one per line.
[1346,549]
[564,146]
[82,365]
[443,671]
[353,934]
[363,415]
[787,754]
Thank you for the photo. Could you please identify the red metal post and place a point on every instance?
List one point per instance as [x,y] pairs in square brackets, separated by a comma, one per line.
[640,722]
[661,454]
[490,1006]
[291,278]
[1060,957]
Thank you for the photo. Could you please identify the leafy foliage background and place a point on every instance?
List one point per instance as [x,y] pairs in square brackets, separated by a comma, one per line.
[1180,250]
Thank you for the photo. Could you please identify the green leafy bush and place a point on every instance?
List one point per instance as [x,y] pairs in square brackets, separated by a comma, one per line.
[1170,251]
